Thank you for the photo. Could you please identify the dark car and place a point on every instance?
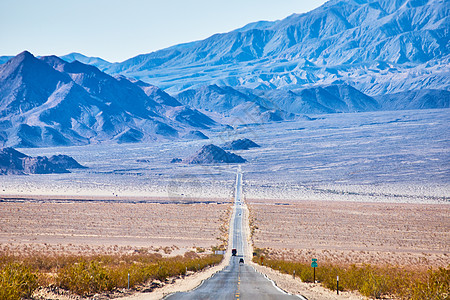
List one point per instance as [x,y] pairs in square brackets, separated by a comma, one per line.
[241,261]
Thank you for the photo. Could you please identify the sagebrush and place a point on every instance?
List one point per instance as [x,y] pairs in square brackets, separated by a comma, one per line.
[86,275]
[371,281]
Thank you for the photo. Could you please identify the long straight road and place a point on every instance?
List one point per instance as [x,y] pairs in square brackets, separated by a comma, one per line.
[236,281]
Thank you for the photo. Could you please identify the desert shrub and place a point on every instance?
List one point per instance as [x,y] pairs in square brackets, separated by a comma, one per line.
[17,281]
[435,287]
[99,274]
[374,285]
[86,275]
[372,281]
[258,252]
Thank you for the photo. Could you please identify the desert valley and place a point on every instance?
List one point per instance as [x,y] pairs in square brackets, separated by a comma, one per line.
[326,134]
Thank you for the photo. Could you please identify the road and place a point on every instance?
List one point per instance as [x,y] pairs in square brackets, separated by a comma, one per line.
[236,281]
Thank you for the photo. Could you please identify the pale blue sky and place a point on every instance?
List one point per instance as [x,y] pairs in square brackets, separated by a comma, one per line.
[119,29]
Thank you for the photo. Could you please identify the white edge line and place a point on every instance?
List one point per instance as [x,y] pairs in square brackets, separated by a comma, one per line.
[198,286]
[278,288]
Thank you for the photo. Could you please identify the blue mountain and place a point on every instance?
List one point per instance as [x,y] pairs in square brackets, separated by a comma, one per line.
[47,102]
[377,46]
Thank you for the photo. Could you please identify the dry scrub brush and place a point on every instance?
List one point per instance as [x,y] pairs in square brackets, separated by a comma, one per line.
[87,275]
[370,281]
[17,281]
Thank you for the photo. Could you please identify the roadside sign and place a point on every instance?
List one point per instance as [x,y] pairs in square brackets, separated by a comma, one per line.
[314,265]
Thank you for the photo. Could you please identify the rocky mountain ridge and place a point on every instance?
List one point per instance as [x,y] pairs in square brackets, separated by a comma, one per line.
[377,46]
[50,102]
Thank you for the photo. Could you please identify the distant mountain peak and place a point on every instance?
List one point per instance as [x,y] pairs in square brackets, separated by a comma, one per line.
[341,40]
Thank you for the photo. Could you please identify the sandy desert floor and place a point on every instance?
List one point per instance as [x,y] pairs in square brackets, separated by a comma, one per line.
[111,227]
[350,188]
[353,232]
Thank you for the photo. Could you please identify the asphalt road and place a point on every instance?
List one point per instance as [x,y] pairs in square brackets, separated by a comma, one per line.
[236,281]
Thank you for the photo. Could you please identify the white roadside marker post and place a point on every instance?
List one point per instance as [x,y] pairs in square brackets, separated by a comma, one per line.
[337,285]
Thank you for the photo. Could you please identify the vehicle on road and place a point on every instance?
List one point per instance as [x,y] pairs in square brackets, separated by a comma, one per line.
[233,252]
[241,261]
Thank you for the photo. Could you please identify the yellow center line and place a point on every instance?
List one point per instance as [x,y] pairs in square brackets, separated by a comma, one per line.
[238,287]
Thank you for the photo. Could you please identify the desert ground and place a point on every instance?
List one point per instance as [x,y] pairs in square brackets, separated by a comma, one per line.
[353,232]
[346,188]
[63,226]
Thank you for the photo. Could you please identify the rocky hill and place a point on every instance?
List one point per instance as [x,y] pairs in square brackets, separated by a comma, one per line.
[65,162]
[240,144]
[196,135]
[13,162]
[212,154]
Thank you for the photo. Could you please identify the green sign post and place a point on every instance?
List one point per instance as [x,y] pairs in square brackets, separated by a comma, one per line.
[314,265]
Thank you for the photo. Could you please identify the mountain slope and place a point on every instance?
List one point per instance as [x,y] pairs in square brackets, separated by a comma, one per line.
[100,63]
[373,45]
[423,99]
[283,104]
[48,101]
[241,107]
[22,91]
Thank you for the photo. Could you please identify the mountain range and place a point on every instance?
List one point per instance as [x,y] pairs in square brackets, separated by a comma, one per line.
[49,102]
[377,46]
[345,56]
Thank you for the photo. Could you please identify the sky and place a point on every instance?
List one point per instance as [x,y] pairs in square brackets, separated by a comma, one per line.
[116,30]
